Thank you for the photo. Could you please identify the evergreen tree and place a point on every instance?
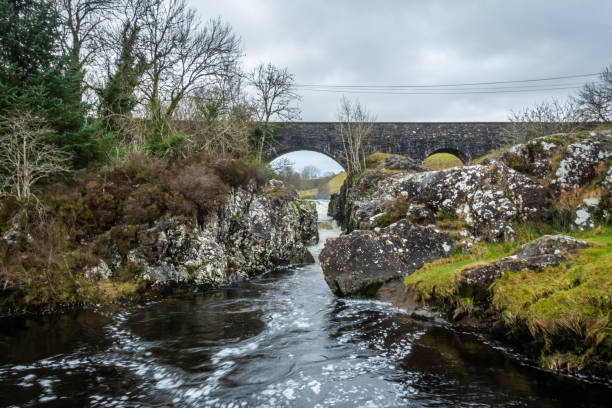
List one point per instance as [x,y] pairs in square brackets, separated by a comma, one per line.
[117,98]
[36,77]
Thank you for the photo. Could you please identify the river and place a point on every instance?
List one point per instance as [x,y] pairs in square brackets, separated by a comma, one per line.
[279,340]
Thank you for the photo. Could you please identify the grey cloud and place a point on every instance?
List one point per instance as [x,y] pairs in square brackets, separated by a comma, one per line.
[418,42]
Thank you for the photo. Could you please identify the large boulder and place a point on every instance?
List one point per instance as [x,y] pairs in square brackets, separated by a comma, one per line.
[545,251]
[357,264]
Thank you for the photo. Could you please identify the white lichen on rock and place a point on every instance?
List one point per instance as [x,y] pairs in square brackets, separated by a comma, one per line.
[578,165]
[252,232]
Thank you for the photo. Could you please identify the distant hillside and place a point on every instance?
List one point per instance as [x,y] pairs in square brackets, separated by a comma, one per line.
[321,187]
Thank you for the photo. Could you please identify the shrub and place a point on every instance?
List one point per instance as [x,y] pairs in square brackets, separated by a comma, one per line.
[238,173]
[146,204]
[136,168]
[198,184]
[165,147]
[375,159]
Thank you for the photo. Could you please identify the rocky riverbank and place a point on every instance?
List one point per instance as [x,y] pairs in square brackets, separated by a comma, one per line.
[144,227]
[518,246]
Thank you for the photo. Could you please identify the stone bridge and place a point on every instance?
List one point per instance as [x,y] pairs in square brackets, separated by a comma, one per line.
[466,140]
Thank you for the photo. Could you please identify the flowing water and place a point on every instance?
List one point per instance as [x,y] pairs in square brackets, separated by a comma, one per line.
[279,340]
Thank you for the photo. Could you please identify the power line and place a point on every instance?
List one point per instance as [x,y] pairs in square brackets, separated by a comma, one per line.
[494,88]
[452,85]
[462,92]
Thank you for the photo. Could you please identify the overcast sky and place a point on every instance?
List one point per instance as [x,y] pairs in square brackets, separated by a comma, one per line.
[418,43]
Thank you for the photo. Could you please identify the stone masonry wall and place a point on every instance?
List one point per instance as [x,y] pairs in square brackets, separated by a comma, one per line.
[415,139]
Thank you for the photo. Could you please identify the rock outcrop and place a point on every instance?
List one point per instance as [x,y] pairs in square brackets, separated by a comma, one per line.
[534,158]
[579,164]
[488,198]
[532,181]
[251,232]
[357,264]
[399,162]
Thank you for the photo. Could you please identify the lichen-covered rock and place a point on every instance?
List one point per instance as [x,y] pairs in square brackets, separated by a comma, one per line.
[360,262]
[548,250]
[578,165]
[175,251]
[607,181]
[420,214]
[357,189]
[488,198]
[586,215]
[269,231]
[534,157]
[99,271]
[251,232]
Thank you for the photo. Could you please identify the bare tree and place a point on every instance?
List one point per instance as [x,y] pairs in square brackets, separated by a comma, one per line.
[81,24]
[595,99]
[274,97]
[355,126]
[274,93]
[282,166]
[310,172]
[218,118]
[182,55]
[542,119]
[26,157]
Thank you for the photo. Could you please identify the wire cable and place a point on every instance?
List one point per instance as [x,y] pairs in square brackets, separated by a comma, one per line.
[452,85]
[462,92]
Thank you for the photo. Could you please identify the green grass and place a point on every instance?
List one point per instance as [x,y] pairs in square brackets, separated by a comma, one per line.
[441,161]
[437,279]
[567,309]
[336,182]
[568,296]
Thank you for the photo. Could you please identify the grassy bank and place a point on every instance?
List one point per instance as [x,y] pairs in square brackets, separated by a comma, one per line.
[566,310]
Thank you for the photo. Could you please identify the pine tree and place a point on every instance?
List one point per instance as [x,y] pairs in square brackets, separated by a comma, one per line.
[36,77]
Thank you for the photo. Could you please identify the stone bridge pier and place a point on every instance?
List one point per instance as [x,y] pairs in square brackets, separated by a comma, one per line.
[418,140]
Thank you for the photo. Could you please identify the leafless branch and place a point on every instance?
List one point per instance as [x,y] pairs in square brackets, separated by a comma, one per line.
[26,156]
[355,126]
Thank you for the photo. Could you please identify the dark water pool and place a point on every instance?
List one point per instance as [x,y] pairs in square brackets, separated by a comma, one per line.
[281,340]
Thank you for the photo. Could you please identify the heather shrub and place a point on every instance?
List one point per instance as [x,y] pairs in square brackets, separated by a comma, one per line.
[199,185]
[136,168]
[238,173]
[146,204]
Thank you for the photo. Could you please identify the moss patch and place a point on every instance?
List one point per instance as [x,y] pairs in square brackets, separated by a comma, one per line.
[569,301]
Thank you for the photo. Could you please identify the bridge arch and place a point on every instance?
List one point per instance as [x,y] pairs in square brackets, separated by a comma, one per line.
[465,158]
[276,154]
